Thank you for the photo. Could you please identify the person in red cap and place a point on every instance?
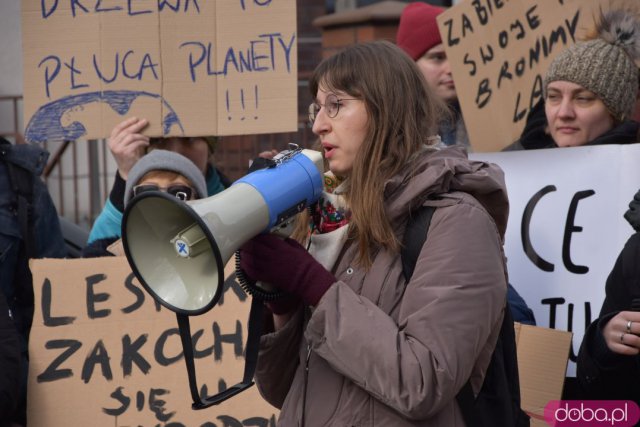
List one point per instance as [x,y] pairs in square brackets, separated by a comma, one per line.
[418,35]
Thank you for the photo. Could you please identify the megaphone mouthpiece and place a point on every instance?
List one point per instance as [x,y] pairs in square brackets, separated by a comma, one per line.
[190,242]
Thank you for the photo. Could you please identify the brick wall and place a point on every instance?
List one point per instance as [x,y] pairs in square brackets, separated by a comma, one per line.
[378,21]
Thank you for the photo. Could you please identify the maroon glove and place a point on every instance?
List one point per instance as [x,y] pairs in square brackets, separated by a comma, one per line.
[285,304]
[286,265]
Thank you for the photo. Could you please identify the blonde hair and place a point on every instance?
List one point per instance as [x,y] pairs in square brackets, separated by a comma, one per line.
[168,175]
[402,112]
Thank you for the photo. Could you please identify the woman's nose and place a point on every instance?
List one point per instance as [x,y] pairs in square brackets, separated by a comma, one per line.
[321,124]
[566,110]
[446,67]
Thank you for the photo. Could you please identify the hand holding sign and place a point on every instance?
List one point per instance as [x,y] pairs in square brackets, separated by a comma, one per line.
[127,144]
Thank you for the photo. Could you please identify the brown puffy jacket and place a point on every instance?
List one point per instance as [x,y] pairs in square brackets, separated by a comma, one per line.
[382,352]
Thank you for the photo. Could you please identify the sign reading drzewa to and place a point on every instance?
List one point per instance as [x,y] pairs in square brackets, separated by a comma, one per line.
[192,67]
[104,354]
[499,51]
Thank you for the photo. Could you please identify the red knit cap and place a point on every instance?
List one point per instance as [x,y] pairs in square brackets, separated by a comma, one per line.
[418,30]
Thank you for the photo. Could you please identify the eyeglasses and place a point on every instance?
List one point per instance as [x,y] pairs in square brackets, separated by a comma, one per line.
[331,106]
[181,192]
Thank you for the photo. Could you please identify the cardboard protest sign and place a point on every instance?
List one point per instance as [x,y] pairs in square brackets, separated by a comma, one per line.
[103,354]
[566,228]
[542,364]
[499,52]
[192,67]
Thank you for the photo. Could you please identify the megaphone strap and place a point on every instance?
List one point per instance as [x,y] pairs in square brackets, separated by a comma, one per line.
[251,357]
[187,348]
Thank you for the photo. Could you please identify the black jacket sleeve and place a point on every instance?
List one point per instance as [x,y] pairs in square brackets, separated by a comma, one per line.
[601,373]
[633,214]
[116,196]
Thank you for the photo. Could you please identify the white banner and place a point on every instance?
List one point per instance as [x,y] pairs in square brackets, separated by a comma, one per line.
[566,228]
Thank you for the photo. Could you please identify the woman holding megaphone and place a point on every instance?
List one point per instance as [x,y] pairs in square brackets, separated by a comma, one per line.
[354,343]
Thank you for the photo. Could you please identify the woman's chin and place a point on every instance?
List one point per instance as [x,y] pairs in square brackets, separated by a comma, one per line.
[570,142]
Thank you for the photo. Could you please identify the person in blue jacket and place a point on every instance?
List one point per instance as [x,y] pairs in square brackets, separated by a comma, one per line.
[128,144]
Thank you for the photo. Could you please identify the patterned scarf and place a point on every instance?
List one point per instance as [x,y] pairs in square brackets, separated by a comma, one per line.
[331,211]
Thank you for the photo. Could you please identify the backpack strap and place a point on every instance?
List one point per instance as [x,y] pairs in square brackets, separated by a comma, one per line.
[415,235]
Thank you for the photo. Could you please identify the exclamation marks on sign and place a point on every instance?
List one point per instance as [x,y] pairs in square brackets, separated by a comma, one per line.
[244,99]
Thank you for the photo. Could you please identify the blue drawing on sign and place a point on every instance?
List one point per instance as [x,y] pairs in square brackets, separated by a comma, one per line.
[242,102]
[47,123]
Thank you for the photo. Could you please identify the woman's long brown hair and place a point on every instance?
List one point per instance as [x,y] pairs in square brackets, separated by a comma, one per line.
[402,114]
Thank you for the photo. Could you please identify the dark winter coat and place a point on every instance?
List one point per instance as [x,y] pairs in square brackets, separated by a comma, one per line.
[15,276]
[601,373]
[10,364]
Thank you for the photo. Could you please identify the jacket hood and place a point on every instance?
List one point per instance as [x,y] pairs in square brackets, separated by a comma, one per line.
[436,172]
[535,135]
[625,133]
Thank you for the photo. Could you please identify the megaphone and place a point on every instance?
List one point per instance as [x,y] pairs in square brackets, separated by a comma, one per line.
[178,250]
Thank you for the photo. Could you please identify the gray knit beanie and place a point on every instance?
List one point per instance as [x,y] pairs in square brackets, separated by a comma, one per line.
[164,160]
[604,65]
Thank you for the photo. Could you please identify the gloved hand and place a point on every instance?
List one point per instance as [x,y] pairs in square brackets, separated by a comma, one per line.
[285,304]
[633,214]
[286,265]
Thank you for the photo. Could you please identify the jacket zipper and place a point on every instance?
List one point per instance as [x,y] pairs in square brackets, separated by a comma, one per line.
[306,379]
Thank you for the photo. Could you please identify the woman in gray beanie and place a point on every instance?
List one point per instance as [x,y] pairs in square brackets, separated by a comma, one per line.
[590,89]
[166,171]
[160,170]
